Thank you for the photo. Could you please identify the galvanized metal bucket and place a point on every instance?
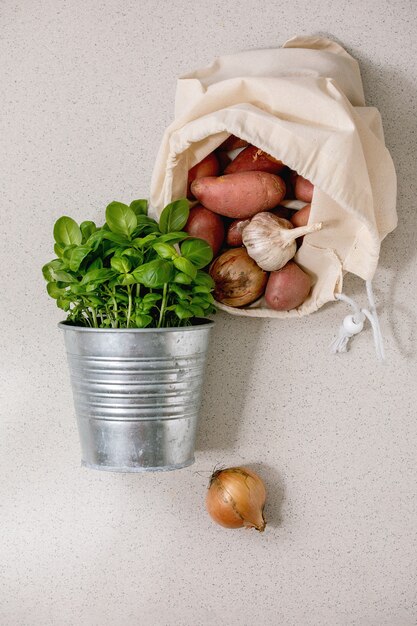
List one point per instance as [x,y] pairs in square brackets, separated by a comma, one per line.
[137,394]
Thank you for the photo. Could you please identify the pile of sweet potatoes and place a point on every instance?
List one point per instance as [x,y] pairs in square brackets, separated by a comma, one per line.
[228,193]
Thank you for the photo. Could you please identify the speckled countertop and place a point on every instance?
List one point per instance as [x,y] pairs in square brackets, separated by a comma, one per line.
[87,90]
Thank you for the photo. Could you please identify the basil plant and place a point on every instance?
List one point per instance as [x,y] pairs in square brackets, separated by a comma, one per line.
[133,272]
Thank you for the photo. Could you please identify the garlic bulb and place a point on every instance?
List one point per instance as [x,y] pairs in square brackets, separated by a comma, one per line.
[270,240]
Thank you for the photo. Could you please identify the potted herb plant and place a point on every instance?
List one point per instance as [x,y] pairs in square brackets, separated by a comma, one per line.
[136,296]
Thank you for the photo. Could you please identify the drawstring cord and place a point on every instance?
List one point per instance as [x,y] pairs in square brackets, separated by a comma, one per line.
[353,324]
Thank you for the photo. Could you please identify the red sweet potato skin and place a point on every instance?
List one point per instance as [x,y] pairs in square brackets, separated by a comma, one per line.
[206,225]
[300,217]
[234,233]
[287,288]
[209,166]
[240,195]
[303,189]
[254,159]
[232,143]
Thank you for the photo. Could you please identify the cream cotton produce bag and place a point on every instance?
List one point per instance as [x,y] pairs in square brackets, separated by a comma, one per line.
[303,104]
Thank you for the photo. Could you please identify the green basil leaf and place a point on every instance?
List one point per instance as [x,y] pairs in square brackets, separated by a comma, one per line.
[142,242]
[97,276]
[182,312]
[121,240]
[197,310]
[174,237]
[90,287]
[77,256]
[165,250]
[185,266]
[120,264]
[54,291]
[127,279]
[75,289]
[67,232]
[59,250]
[121,219]
[142,320]
[174,216]
[140,207]
[50,268]
[97,264]
[202,289]
[63,303]
[200,301]
[95,238]
[87,229]
[65,277]
[182,293]
[203,278]
[145,225]
[155,273]
[135,258]
[95,301]
[182,278]
[66,257]
[152,298]
[198,251]
[132,254]
[121,297]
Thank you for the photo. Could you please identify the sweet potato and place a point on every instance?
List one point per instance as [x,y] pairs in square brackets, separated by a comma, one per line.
[254,159]
[300,217]
[209,166]
[234,233]
[303,189]
[223,159]
[206,225]
[232,143]
[239,195]
[287,288]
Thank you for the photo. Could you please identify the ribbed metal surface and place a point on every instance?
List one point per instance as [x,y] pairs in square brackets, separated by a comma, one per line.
[137,394]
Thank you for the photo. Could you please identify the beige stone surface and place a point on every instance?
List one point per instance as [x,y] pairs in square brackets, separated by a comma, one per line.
[87,88]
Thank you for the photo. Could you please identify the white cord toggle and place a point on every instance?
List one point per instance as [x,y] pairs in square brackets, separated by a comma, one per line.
[351,327]
[348,329]
[353,324]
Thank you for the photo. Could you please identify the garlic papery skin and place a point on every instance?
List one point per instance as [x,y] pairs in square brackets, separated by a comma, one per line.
[270,240]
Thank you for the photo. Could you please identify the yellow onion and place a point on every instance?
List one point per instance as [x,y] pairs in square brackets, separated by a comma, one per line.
[236,498]
[238,279]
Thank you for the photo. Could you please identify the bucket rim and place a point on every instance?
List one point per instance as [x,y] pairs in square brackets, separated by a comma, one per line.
[199,323]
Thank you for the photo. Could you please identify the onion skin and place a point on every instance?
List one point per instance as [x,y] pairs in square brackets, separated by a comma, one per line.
[238,279]
[236,498]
